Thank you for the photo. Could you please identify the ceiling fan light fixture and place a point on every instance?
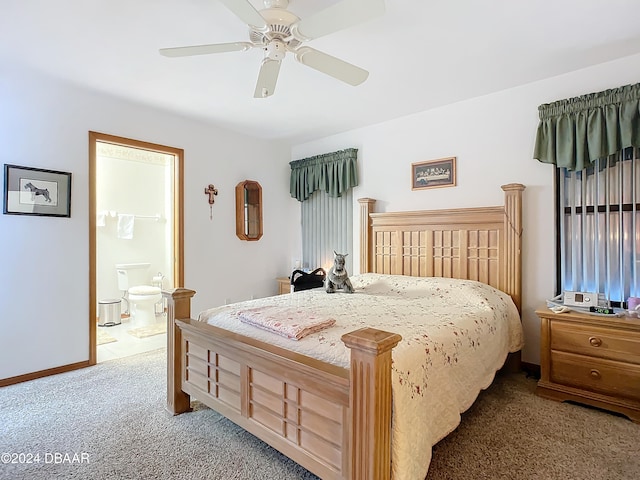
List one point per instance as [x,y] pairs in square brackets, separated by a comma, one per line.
[278,16]
[279,21]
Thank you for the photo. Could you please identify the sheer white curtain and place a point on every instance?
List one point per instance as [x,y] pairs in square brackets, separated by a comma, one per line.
[327,226]
[599,223]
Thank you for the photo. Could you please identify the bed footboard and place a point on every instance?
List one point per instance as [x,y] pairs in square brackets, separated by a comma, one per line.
[335,422]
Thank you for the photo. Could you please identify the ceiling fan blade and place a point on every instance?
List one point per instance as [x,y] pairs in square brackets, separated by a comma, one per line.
[247,13]
[336,17]
[332,66]
[205,49]
[267,78]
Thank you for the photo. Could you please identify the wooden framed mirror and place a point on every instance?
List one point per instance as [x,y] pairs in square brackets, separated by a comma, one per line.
[249,210]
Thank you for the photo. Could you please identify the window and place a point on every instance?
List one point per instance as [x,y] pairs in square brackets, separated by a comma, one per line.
[598,225]
[323,184]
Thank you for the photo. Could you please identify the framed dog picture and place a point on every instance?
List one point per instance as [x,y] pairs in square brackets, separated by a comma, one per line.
[34,191]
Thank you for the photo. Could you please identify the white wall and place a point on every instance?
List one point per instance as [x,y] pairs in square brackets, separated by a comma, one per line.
[492,138]
[45,266]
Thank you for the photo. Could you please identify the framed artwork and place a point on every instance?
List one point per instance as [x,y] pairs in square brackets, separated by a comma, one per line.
[433,173]
[34,191]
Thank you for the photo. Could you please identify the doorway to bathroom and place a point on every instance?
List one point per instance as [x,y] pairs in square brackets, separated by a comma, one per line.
[135,243]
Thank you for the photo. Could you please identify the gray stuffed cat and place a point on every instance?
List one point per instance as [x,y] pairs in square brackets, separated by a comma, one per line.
[338,278]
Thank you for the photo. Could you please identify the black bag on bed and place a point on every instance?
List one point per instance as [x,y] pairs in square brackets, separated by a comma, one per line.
[304,281]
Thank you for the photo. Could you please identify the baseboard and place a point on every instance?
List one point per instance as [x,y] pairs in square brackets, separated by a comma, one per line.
[43,373]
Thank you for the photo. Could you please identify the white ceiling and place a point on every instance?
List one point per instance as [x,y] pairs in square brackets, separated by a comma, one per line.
[420,54]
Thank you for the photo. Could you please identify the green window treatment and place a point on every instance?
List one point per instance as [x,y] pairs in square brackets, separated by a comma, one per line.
[574,133]
[334,173]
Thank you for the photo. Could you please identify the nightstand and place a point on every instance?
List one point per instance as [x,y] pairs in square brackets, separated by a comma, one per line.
[284,285]
[591,359]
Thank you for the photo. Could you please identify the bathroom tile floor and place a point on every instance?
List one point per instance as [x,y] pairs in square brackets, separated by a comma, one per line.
[127,344]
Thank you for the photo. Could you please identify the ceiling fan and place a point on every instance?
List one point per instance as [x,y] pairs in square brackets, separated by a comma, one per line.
[278,31]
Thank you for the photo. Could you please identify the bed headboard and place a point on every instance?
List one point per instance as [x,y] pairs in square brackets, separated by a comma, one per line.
[482,244]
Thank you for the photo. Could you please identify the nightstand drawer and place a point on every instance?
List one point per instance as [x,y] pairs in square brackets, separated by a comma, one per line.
[597,375]
[596,342]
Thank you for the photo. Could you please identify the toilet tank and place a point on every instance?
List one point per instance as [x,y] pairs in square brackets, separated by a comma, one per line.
[132,274]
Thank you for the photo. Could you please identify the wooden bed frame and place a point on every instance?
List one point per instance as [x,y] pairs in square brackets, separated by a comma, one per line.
[336,422]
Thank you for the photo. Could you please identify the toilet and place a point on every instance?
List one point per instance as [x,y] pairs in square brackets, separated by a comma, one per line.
[142,298]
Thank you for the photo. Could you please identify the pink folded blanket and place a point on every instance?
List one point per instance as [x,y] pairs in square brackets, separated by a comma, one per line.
[293,323]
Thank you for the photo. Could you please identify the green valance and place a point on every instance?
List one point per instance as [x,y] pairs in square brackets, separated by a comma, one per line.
[576,132]
[335,173]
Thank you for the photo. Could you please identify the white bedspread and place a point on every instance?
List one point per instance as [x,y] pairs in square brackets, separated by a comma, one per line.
[455,335]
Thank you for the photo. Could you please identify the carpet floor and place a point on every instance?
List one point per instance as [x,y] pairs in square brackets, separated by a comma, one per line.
[109,422]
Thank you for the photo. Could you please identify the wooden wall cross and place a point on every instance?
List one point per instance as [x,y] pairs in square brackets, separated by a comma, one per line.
[211,191]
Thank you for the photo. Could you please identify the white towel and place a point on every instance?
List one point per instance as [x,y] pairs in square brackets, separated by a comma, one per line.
[101,220]
[125,226]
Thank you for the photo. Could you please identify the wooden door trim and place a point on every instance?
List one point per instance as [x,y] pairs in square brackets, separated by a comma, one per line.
[178,219]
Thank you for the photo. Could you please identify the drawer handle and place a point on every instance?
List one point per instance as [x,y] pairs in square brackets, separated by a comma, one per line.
[595,374]
[595,341]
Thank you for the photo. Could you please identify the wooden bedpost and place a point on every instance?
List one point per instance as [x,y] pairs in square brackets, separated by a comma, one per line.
[513,232]
[178,306]
[513,258]
[366,207]
[370,402]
